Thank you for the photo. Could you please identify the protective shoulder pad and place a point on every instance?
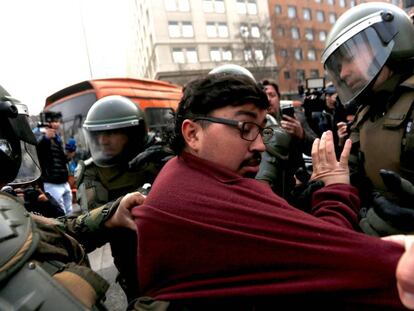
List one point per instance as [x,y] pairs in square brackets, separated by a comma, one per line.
[80,170]
[17,238]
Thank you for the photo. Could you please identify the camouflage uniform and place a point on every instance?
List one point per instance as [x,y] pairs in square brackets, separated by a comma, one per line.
[51,252]
[99,185]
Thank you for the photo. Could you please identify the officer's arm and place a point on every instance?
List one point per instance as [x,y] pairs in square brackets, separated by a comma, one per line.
[92,229]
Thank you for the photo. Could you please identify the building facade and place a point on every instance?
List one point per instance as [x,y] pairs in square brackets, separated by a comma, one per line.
[178,40]
[299,31]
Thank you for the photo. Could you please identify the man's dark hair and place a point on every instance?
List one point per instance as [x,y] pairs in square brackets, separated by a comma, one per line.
[214,91]
[50,116]
[272,83]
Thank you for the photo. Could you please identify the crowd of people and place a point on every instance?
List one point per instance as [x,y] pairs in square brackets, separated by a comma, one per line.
[233,219]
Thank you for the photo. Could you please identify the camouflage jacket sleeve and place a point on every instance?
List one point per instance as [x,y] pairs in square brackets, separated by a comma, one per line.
[88,229]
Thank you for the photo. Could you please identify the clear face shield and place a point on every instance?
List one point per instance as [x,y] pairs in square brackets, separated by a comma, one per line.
[356,62]
[30,168]
[107,147]
[18,148]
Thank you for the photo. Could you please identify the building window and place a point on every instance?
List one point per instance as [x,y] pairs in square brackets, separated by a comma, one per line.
[322,36]
[184,55]
[248,54]
[174,30]
[291,11]
[219,6]
[216,6]
[332,18]
[223,30]
[295,33]
[215,30]
[251,7]
[314,73]
[307,14]
[211,30]
[331,2]
[300,75]
[283,53]
[246,7]
[253,31]
[342,3]
[298,54]
[311,54]
[280,31]
[187,30]
[178,56]
[244,30]
[177,5]
[352,3]
[220,54]
[320,16]
[286,75]
[278,9]
[318,1]
[309,34]
[258,54]
[192,56]
[215,54]
[180,29]
[227,54]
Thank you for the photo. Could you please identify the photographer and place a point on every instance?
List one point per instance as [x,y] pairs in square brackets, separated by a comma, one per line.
[283,161]
[332,117]
[53,159]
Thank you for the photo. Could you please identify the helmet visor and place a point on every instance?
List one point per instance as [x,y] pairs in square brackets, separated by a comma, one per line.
[356,62]
[29,169]
[107,147]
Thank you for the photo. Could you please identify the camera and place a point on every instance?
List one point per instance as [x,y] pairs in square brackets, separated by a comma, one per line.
[314,101]
[45,118]
[288,111]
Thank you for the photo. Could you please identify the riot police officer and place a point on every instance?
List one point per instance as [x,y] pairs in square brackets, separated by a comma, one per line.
[116,133]
[41,266]
[124,157]
[369,57]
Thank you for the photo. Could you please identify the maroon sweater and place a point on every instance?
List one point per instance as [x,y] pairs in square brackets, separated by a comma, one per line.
[206,233]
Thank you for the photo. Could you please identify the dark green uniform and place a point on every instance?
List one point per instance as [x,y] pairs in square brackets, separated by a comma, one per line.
[99,185]
[44,262]
[383,139]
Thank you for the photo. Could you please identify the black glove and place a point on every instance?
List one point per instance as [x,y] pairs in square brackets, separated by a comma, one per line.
[394,213]
[302,194]
[154,153]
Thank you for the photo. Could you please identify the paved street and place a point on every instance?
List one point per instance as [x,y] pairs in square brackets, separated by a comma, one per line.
[102,262]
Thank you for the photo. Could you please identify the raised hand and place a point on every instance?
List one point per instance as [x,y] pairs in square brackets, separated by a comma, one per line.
[325,165]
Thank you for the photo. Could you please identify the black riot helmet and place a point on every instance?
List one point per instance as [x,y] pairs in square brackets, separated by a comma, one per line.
[18,157]
[119,117]
[232,69]
[363,40]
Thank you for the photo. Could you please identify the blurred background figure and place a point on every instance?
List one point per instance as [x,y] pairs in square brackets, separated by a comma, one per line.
[53,159]
[332,113]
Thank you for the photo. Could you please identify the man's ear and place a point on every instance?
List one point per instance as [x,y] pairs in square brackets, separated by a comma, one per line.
[191,134]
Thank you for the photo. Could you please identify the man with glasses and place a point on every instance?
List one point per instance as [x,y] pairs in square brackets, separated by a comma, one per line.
[211,239]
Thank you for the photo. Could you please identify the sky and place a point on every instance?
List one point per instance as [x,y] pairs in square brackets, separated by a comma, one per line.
[47,45]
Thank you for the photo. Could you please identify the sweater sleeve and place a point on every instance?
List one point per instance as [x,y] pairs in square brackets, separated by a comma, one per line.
[338,204]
